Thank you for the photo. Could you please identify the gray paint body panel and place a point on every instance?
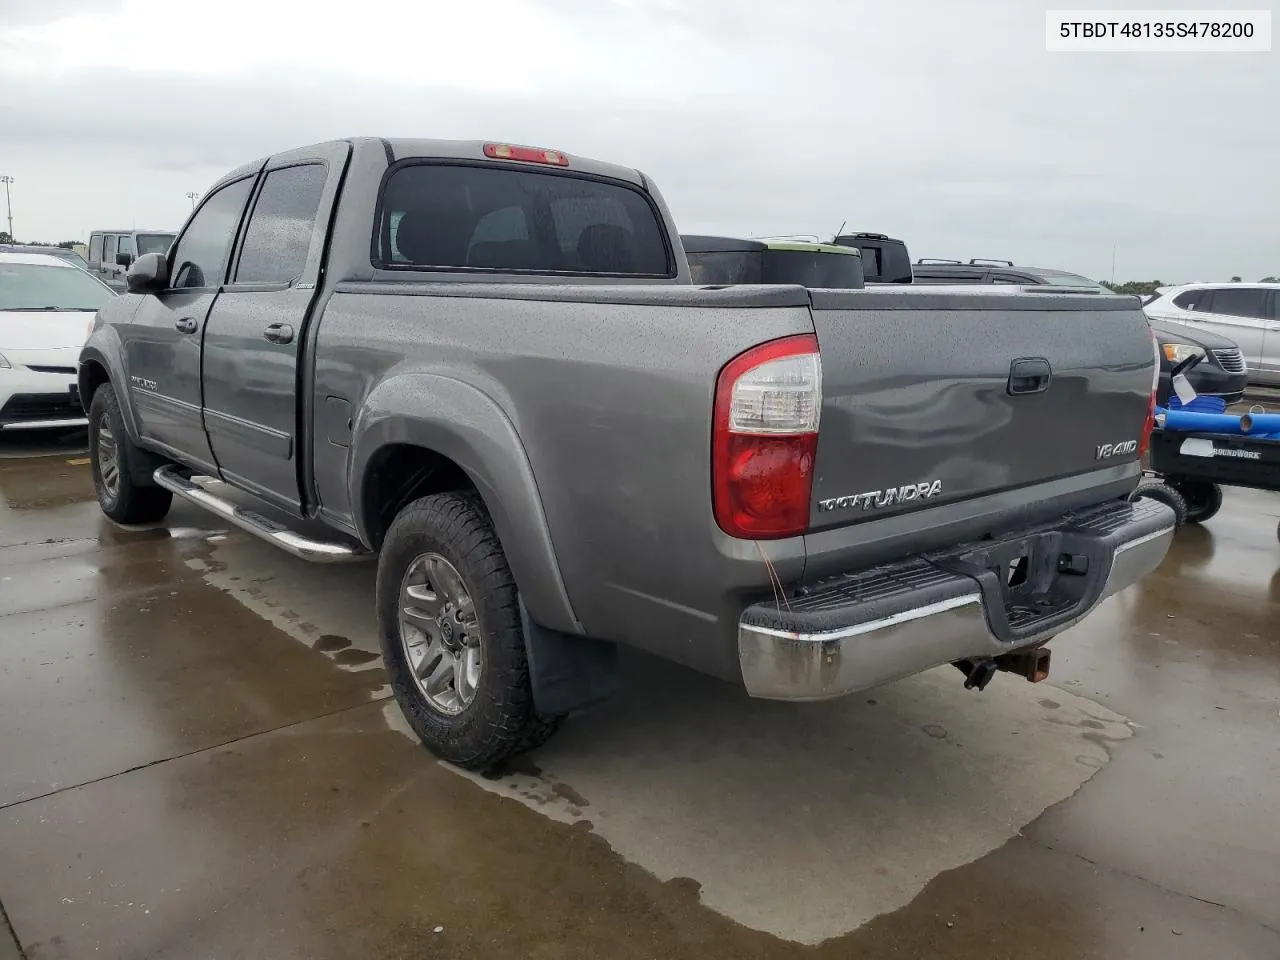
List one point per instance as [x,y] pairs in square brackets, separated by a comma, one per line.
[587,426]
[947,415]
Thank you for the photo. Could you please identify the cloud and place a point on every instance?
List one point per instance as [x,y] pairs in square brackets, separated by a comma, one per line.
[26,13]
[947,125]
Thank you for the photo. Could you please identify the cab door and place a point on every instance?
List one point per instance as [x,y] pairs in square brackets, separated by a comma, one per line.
[162,343]
[255,330]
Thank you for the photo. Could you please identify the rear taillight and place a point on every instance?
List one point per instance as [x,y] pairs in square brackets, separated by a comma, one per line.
[1144,444]
[764,439]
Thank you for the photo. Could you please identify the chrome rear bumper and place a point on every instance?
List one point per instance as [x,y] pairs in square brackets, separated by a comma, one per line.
[857,631]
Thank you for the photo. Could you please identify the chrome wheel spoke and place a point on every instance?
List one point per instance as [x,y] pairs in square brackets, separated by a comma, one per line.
[108,457]
[445,580]
[424,655]
[468,675]
[437,682]
[419,618]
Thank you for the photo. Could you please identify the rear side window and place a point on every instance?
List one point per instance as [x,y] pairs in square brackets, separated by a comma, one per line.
[726,267]
[459,217]
[871,266]
[814,269]
[95,249]
[934,276]
[278,238]
[895,263]
[1237,302]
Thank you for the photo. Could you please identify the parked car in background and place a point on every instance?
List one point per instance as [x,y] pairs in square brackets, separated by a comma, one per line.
[46,306]
[996,271]
[884,259]
[1247,313]
[1220,373]
[62,253]
[488,365]
[112,251]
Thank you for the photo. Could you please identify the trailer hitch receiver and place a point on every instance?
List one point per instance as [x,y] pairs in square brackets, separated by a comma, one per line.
[1032,665]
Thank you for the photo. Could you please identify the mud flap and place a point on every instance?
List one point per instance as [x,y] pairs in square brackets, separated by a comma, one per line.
[567,671]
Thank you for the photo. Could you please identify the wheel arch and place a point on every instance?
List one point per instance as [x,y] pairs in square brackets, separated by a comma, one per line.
[96,368]
[420,433]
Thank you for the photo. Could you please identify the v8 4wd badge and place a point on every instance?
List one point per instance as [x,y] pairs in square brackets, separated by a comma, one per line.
[1107,450]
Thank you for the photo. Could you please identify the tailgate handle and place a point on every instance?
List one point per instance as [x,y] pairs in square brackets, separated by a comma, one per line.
[1031,375]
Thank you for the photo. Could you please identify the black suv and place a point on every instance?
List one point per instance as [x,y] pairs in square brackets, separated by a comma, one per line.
[1220,373]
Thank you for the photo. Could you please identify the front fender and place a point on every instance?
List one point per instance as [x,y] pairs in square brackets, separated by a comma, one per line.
[103,348]
[458,421]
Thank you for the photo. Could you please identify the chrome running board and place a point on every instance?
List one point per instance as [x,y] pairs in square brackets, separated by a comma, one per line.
[191,489]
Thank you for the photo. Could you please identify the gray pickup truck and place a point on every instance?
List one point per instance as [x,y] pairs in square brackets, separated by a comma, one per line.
[486,366]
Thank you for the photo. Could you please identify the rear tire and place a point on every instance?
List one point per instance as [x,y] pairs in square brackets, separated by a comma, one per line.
[125,493]
[1162,492]
[449,622]
[1203,499]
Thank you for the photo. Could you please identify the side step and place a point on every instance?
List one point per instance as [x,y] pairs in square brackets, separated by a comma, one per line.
[317,551]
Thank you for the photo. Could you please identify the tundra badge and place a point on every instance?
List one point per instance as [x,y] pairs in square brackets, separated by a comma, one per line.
[1106,450]
[883,498]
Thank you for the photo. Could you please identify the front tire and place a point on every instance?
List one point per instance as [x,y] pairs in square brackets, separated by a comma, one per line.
[125,493]
[449,622]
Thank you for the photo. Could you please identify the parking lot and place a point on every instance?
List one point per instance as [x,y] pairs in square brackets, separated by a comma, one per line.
[201,758]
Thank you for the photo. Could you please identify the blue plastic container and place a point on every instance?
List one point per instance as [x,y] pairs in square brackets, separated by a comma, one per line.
[1199,405]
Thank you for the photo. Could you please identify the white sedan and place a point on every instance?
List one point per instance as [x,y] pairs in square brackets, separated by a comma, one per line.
[46,306]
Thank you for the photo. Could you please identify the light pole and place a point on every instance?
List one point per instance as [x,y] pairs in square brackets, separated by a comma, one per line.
[8,204]
[192,197]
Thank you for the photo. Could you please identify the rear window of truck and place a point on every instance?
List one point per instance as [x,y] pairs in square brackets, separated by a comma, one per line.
[439,216]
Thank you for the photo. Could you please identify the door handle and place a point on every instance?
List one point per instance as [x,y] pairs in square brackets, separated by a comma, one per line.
[279,333]
[1031,375]
[187,325]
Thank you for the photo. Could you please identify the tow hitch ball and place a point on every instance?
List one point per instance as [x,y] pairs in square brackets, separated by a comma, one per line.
[1032,665]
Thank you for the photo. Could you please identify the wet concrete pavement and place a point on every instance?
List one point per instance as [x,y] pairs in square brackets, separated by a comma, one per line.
[198,759]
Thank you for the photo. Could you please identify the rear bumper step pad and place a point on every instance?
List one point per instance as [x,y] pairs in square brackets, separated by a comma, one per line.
[861,629]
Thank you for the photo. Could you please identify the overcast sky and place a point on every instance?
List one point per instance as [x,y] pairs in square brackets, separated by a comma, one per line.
[944,123]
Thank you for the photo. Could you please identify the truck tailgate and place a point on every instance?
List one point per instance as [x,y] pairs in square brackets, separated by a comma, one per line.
[942,395]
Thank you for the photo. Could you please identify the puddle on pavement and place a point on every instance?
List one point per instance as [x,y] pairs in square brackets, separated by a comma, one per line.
[854,805]
[44,483]
[327,608]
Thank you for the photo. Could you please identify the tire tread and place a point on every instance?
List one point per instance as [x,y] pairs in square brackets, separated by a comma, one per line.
[507,722]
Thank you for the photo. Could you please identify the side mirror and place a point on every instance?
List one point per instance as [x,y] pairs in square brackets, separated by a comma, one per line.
[124,259]
[147,274]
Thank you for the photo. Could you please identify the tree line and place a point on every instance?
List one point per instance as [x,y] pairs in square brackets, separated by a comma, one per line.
[1143,288]
[64,244]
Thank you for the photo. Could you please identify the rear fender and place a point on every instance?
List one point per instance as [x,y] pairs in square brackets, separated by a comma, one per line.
[455,420]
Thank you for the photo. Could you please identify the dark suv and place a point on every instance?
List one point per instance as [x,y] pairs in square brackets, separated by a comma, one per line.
[1220,373]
